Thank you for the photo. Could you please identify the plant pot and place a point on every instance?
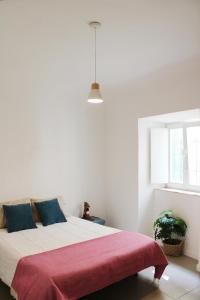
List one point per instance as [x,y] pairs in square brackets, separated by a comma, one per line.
[173,250]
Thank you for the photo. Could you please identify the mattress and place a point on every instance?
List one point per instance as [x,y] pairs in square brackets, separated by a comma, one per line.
[14,246]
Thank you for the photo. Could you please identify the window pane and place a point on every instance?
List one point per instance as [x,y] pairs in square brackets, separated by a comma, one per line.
[176,155]
[193,140]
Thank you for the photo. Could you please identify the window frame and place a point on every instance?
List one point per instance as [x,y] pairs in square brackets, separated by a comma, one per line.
[185,186]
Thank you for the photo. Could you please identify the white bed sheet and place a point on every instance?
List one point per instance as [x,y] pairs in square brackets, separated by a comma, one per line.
[16,245]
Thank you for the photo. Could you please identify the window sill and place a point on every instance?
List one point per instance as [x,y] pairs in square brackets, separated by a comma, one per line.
[180,191]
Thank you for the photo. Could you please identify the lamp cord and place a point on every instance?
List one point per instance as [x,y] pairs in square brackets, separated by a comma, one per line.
[95,54]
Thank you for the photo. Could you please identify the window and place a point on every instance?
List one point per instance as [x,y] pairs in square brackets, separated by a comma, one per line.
[184,156]
[176,155]
[193,141]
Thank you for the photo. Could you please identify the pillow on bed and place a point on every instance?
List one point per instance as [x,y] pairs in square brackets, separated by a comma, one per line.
[18,217]
[50,212]
[10,202]
[36,215]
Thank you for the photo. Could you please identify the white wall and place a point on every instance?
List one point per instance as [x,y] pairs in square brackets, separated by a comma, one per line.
[186,206]
[52,147]
[170,89]
[51,140]
[145,188]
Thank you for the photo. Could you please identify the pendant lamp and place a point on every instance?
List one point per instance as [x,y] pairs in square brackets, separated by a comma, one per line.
[95,94]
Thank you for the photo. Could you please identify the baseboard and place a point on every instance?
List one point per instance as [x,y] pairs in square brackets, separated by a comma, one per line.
[190,254]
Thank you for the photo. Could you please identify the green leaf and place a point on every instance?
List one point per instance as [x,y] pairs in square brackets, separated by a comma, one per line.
[169,227]
[166,212]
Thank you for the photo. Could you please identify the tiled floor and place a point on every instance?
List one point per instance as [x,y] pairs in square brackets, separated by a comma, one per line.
[180,281]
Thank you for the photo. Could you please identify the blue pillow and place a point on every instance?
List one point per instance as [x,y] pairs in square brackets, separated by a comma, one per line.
[18,217]
[50,212]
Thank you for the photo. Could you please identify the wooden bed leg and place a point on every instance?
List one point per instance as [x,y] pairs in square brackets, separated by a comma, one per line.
[156,282]
[13,293]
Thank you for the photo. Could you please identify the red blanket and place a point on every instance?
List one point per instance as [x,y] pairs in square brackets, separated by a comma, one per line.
[77,270]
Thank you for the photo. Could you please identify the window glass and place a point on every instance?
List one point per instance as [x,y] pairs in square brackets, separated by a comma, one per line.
[176,155]
[193,141]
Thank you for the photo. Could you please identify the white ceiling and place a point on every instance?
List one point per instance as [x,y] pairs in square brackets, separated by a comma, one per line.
[136,37]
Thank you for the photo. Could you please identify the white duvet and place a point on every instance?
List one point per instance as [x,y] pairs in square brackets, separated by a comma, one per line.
[16,245]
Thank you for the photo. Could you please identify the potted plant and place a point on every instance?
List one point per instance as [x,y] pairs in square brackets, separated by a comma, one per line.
[171,230]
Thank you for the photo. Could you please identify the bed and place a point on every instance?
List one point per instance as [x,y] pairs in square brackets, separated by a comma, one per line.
[69,260]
